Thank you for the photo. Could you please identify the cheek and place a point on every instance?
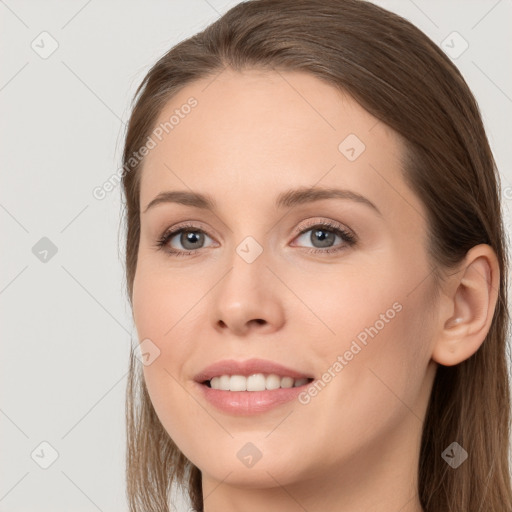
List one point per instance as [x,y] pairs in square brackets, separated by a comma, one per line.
[355,303]
[162,303]
[394,339]
[160,299]
[374,335]
[377,389]
[180,415]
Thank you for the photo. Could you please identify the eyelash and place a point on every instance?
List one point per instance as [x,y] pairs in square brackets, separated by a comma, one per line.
[346,236]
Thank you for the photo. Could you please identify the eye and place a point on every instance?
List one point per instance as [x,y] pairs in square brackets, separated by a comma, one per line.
[189,237]
[322,235]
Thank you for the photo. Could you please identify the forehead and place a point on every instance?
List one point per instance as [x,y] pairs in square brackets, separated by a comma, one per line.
[249,135]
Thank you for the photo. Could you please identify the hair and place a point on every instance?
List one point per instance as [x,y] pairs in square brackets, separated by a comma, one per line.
[395,72]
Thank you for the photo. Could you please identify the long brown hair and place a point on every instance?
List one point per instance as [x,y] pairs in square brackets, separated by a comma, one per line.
[403,79]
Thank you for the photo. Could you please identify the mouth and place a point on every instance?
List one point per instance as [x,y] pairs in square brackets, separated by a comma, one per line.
[251,387]
[255,382]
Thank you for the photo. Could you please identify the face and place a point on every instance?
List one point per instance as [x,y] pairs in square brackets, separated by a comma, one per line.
[336,288]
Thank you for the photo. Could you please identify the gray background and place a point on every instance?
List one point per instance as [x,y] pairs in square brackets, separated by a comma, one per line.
[65,321]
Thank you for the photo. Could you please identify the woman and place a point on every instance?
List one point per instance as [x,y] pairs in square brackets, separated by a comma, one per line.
[316,265]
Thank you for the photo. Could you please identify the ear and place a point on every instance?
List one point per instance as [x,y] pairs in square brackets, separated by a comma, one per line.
[467,306]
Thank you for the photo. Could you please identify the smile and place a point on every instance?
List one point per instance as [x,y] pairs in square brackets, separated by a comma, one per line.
[255,382]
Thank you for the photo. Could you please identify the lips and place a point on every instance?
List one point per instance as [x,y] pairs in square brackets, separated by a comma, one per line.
[246,368]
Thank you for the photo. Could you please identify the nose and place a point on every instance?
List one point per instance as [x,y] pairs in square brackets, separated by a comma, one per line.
[248,299]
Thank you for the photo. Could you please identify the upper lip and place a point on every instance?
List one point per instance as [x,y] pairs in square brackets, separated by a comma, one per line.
[246,368]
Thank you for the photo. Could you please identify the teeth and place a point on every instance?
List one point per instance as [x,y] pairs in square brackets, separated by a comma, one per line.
[255,382]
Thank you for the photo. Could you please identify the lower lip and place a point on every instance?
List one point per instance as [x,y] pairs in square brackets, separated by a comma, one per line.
[247,403]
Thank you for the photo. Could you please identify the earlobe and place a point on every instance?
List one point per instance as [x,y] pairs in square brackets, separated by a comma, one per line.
[466,314]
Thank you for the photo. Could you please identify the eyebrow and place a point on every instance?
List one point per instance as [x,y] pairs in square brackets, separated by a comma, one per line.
[287,199]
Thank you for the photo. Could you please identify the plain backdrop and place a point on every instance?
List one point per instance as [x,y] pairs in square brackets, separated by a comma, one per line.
[68,72]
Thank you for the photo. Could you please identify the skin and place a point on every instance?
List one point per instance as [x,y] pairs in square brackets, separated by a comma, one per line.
[355,446]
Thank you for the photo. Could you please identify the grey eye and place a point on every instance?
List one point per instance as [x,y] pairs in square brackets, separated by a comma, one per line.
[320,237]
[190,239]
